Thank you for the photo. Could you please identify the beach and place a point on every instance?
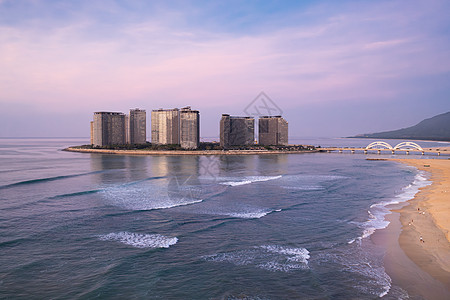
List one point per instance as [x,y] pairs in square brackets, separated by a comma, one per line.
[424,235]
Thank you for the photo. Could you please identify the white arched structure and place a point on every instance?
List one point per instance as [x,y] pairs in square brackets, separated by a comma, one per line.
[407,146]
[377,144]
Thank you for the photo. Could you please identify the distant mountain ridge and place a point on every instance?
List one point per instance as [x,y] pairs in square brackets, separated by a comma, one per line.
[436,128]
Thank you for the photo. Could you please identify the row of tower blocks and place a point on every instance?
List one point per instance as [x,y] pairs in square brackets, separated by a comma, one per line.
[182,127]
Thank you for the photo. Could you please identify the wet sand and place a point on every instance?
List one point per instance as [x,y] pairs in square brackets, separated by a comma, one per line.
[418,255]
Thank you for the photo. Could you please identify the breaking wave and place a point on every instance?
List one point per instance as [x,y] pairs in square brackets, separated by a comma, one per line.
[267,257]
[138,240]
[47,179]
[251,214]
[250,179]
[378,211]
[158,194]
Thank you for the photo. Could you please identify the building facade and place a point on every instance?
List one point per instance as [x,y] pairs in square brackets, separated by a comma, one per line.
[108,128]
[175,126]
[92,132]
[127,129]
[137,127]
[166,126]
[273,130]
[189,128]
[236,131]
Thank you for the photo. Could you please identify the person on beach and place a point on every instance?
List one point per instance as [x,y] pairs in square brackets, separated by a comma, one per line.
[421,239]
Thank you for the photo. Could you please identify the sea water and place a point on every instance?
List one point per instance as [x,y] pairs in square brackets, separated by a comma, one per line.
[290,226]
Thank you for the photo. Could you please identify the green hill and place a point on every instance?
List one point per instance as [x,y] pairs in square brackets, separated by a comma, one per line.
[436,128]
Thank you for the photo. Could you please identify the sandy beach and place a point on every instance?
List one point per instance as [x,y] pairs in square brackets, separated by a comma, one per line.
[424,236]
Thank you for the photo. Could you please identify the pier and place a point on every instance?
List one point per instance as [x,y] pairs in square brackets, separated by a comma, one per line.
[381,147]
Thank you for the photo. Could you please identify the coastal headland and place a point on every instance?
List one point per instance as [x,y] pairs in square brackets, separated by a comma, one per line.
[424,235]
[186,152]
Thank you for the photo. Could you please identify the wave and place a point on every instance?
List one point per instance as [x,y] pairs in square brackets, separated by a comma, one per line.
[252,214]
[378,211]
[100,190]
[138,240]
[159,194]
[250,179]
[306,182]
[267,257]
[304,188]
[245,213]
[75,194]
[135,200]
[363,263]
[300,255]
[47,179]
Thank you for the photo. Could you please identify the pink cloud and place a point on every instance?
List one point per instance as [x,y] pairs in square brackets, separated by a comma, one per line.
[331,61]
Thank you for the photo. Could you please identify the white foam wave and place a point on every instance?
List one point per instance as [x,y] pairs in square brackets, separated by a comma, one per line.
[256,214]
[365,261]
[300,255]
[386,290]
[249,215]
[378,211]
[250,179]
[375,272]
[138,240]
[149,197]
[267,257]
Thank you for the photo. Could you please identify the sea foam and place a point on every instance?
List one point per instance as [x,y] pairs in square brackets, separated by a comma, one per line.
[139,240]
[151,196]
[252,214]
[250,179]
[378,211]
[300,255]
[267,257]
[249,213]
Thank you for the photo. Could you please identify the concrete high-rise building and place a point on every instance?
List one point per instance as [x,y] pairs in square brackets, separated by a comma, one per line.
[137,123]
[174,126]
[273,130]
[236,131]
[166,126]
[189,128]
[127,129]
[92,132]
[108,129]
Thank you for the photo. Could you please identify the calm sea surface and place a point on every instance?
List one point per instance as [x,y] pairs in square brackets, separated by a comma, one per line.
[86,226]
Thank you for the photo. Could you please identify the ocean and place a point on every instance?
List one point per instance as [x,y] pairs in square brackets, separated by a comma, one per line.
[291,226]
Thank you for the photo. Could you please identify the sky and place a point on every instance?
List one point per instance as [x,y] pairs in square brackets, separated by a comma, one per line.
[333,68]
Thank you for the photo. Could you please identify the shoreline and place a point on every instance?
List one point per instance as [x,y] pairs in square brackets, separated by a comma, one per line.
[186,152]
[417,238]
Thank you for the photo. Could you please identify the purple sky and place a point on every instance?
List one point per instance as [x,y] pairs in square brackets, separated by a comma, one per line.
[335,68]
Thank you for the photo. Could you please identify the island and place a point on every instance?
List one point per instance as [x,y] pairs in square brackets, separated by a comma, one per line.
[205,148]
